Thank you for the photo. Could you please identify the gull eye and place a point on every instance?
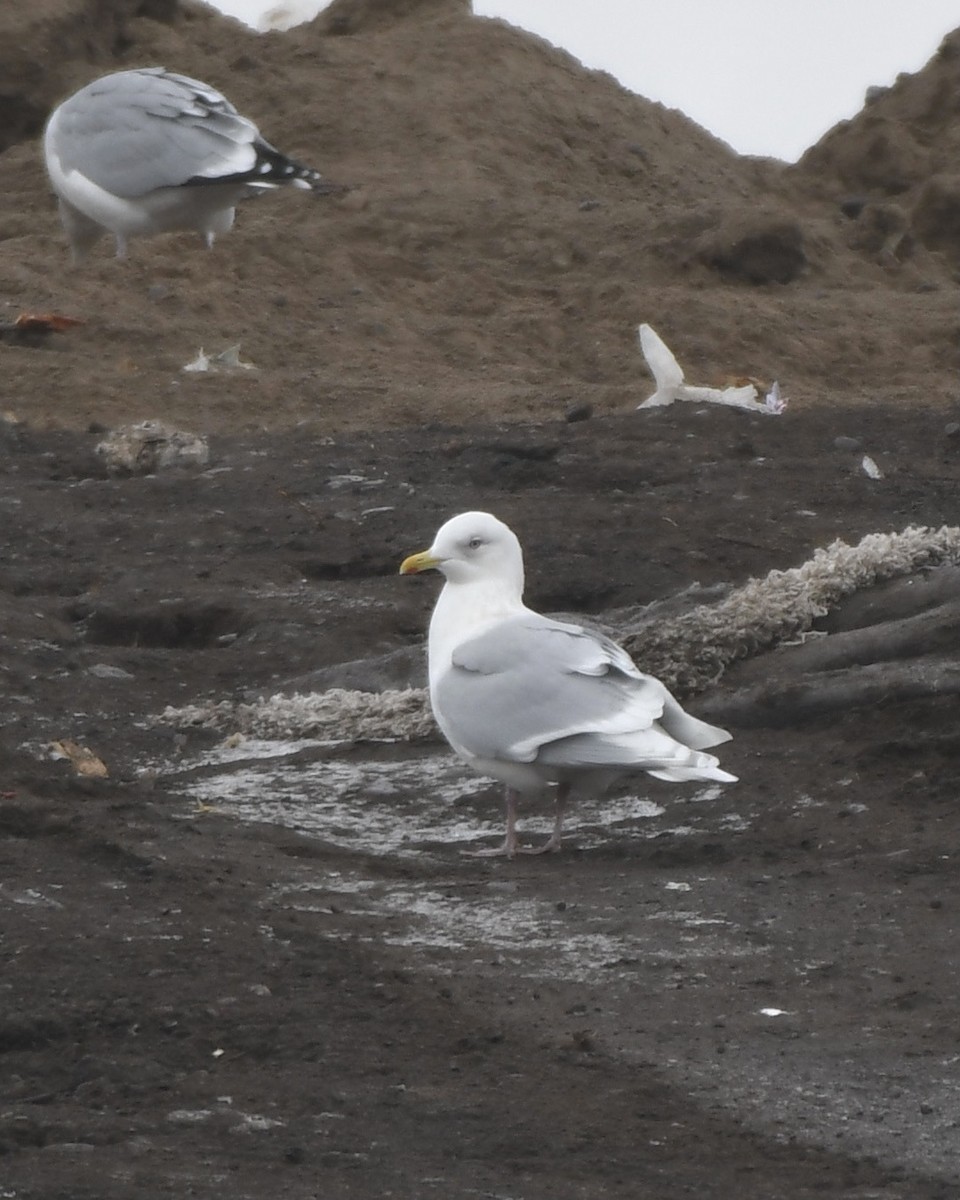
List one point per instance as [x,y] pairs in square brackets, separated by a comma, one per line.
[475,543]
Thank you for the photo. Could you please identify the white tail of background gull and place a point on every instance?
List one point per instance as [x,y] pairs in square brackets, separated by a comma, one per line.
[532,701]
[146,151]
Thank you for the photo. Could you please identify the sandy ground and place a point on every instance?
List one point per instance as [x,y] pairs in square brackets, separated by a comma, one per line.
[265,968]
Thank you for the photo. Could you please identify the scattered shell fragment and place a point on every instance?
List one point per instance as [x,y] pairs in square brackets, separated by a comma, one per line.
[870,468]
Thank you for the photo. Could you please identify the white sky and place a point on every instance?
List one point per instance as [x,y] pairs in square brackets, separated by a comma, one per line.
[767,76]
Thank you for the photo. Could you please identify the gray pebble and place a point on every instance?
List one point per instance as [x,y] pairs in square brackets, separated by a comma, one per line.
[581,411]
[105,671]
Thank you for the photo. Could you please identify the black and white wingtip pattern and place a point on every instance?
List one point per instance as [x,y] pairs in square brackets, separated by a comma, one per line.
[271,169]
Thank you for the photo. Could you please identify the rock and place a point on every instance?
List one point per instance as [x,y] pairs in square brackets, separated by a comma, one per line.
[847,443]
[754,247]
[581,411]
[150,446]
[853,206]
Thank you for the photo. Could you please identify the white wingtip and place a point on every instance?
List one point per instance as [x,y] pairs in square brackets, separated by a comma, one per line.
[664,367]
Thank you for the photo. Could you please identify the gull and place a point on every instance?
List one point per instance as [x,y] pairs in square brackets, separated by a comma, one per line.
[147,151]
[534,702]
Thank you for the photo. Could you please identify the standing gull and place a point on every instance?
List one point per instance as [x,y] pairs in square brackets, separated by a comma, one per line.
[146,151]
[532,701]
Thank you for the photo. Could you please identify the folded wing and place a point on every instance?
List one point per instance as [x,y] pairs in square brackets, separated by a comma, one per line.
[535,690]
[133,132]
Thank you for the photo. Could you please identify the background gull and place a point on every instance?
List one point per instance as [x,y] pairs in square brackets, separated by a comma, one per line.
[532,701]
[146,151]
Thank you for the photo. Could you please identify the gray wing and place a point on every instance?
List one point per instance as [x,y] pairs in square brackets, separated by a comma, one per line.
[530,682]
[135,131]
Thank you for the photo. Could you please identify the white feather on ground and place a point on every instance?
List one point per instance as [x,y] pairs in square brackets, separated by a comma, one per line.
[147,151]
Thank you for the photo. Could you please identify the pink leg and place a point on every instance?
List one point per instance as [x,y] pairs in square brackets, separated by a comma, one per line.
[552,844]
[508,846]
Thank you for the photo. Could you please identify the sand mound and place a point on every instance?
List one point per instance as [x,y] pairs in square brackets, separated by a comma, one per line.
[904,144]
[513,218]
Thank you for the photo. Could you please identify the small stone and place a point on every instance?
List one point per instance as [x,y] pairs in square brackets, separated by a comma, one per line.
[106,671]
[926,1109]
[853,206]
[847,443]
[952,430]
[157,291]
[581,411]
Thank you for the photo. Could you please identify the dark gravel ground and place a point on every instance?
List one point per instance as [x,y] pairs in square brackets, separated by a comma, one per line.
[192,1005]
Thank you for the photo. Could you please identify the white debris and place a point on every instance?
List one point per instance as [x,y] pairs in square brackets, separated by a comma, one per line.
[774,401]
[150,446]
[870,468]
[668,376]
[226,360]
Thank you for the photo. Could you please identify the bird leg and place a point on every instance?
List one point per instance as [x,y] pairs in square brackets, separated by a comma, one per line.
[82,233]
[552,844]
[508,847]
